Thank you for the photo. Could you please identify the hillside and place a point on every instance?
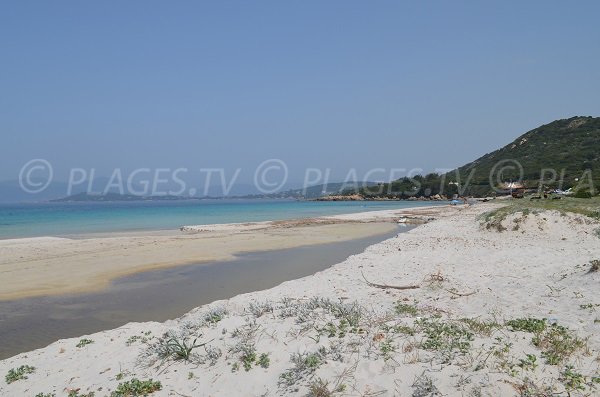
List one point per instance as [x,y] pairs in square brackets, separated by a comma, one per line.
[312,192]
[569,146]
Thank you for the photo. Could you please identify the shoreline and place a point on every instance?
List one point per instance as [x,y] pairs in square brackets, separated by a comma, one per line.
[49,266]
[132,219]
[362,327]
[164,294]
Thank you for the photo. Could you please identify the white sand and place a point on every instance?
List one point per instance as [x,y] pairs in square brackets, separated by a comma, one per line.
[463,270]
[50,266]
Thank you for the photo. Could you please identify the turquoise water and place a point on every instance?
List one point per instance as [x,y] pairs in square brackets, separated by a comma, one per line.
[64,219]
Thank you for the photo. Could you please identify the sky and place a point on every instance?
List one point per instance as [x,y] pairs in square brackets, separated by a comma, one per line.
[318,84]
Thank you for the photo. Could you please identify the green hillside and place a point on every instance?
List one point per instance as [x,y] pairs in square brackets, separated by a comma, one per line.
[571,147]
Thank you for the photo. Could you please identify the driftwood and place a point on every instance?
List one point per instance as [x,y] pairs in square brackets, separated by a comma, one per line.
[385,286]
[459,294]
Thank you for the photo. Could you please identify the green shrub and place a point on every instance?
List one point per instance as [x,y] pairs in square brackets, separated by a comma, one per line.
[532,325]
[84,342]
[264,361]
[558,343]
[136,387]
[445,336]
[75,393]
[404,309]
[582,193]
[20,373]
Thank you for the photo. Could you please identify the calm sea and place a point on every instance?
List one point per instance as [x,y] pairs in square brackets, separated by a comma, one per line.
[68,219]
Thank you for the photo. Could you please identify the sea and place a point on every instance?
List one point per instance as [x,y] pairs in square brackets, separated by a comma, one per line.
[70,219]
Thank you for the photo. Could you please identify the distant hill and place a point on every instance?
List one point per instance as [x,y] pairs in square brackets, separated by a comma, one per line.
[12,192]
[117,197]
[300,193]
[315,191]
[569,146]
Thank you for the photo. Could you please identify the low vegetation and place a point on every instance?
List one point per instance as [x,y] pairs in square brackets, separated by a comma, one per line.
[321,388]
[493,220]
[84,342]
[173,346]
[77,393]
[136,387]
[534,355]
[19,373]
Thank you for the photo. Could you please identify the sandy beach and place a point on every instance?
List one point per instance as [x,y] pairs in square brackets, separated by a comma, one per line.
[454,307]
[51,266]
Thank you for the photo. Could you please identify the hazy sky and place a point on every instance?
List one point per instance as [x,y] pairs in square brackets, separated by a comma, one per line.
[338,84]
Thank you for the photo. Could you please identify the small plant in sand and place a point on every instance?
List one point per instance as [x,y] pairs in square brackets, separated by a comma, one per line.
[179,348]
[529,363]
[403,330]
[320,388]
[248,356]
[481,327]
[595,265]
[171,346]
[264,361]
[84,342]
[19,373]
[573,381]
[245,348]
[260,308]
[497,357]
[557,343]
[387,348]
[532,325]
[445,337]
[423,386]
[136,387]
[45,395]
[528,388]
[404,309]
[211,355]
[589,306]
[215,315]
[305,364]
[144,337]
[76,393]
[317,307]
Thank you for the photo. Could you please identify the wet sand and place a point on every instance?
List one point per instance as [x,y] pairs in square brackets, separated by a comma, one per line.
[44,266]
[55,266]
[158,295]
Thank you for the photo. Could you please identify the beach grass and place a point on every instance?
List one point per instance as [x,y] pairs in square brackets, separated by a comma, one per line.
[566,205]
